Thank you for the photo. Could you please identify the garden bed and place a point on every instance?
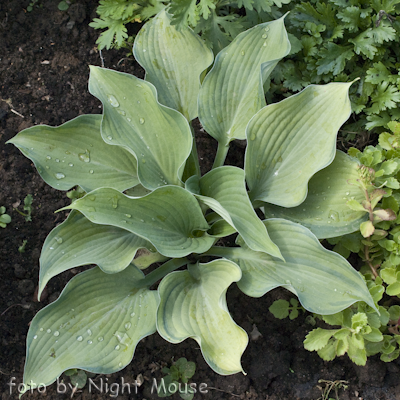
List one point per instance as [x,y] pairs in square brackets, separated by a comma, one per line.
[44,72]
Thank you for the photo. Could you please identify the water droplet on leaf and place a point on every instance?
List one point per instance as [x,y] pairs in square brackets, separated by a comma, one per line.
[112,100]
[85,157]
[141,121]
[60,175]
[79,338]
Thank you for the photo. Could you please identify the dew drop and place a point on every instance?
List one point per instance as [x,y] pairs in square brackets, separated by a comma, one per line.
[264,36]
[242,53]
[71,165]
[122,112]
[112,100]
[265,44]
[41,329]
[89,332]
[129,119]
[47,167]
[59,175]
[120,364]
[143,161]
[128,325]
[128,215]
[58,239]
[347,193]
[85,157]
[114,202]
[48,331]
[91,171]
[100,338]
[138,101]
[79,338]
[89,342]
[132,314]
[117,347]
[35,337]
[141,121]
[56,333]
[109,137]
[48,157]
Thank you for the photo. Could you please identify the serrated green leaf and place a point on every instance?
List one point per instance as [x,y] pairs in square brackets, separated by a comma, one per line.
[288,142]
[325,211]
[356,351]
[328,353]
[75,154]
[173,61]
[232,91]
[170,218]
[318,339]
[324,282]
[77,241]
[193,304]
[144,127]
[97,319]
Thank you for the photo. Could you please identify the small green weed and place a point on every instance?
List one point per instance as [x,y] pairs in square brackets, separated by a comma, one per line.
[21,248]
[27,207]
[4,218]
[177,378]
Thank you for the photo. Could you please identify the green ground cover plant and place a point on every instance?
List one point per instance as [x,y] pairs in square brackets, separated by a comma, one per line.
[361,332]
[141,188]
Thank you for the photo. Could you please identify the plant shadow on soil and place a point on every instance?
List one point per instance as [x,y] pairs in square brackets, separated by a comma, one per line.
[44,59]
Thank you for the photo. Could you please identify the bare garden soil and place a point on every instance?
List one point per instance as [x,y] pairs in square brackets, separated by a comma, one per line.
[44,59]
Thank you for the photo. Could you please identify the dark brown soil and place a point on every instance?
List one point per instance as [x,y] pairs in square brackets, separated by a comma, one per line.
[44,59]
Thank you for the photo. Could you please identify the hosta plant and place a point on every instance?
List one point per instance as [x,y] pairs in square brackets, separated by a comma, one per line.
[138,166]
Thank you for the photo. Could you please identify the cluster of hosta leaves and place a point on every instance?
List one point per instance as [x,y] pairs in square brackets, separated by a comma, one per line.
[340,40]
[218,21]
[138,171]
[332,40]
[362,332]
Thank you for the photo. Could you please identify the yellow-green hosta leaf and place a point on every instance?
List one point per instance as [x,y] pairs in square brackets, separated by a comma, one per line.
[193,304]
[173,61]
[288,142]
[78,241]
[94,325]
[325,211]
[232,92]
[170,218]
[224,190]
[75,154]
[324,281]
[158,136]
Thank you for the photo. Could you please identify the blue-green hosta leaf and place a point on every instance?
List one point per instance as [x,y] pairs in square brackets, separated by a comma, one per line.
[170,218]
[173,61]
[324,281]
[325,211]
[75,154]
[193,304]
[78,241]
[224,190]
[94,325]
[233,91]
[288,142]
[159,137]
